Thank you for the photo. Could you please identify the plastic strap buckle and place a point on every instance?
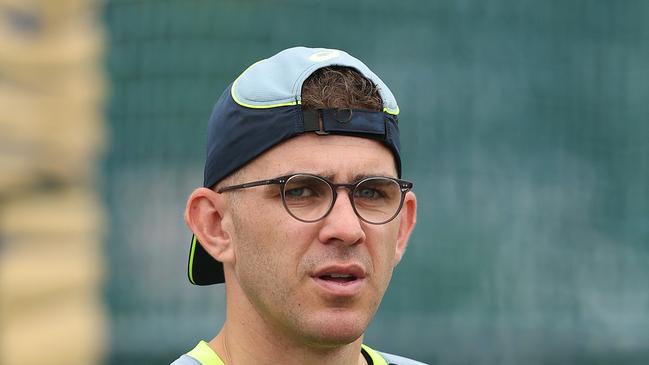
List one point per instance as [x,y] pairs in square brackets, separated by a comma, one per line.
[313,121]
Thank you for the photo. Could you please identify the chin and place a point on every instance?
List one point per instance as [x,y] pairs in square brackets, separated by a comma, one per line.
[336,328]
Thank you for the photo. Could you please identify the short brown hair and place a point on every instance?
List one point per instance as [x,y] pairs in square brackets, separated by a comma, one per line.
[340,87]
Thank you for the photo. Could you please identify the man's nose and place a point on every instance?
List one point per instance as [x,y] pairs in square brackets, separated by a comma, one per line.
[342,224]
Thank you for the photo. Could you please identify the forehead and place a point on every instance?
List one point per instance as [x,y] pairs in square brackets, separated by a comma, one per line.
[340,157]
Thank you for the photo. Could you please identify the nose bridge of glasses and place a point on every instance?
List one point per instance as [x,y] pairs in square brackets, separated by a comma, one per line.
[349,187]
[350,191]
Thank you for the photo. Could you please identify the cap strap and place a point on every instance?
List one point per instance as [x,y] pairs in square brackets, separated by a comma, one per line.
[346,121]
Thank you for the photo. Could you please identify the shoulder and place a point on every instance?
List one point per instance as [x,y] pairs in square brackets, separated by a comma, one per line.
[185,360]
[202,354]
[399,360]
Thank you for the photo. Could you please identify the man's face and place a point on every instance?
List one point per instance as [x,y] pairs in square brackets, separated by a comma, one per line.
[286,269]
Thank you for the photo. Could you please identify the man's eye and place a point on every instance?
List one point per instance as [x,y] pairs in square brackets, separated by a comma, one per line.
[302,192]
[368,193]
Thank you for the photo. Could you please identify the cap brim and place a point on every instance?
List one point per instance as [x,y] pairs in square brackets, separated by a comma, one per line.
[203,269]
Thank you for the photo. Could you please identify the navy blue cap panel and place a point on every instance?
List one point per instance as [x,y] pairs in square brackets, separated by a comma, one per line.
[203,269]
[392,135]
[237,135]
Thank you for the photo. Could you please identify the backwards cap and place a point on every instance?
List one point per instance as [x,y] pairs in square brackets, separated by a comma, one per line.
[261,109]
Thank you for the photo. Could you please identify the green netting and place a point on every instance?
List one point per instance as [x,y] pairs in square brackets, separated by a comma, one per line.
[525,128]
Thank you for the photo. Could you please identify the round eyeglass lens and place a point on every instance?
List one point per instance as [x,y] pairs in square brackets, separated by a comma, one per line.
[377,199]
[307,198]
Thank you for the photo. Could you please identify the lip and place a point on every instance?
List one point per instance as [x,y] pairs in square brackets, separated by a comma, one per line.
[340,288]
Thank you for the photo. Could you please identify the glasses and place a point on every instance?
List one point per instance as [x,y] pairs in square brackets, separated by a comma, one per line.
[309,198]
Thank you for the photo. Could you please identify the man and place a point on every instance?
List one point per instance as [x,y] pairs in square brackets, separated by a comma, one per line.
[302,215]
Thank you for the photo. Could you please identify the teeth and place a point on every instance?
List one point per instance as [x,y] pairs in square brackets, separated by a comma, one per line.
[339,275]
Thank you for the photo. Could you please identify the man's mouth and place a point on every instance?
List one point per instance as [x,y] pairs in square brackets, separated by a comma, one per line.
[339,278]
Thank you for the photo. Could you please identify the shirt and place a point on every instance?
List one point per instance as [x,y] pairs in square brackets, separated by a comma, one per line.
[203,354]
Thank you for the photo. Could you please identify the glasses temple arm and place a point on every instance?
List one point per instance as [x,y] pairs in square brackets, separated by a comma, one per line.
[250,185]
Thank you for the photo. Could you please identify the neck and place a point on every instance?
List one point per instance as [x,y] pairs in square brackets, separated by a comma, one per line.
[248,339]
[255,350]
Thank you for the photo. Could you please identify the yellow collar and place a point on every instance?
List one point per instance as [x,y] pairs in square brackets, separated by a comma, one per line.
[377,359]
[204,354]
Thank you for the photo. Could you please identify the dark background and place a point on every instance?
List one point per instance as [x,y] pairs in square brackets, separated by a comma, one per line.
[525,127]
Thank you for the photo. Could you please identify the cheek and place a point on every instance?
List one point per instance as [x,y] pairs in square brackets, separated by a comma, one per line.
[252,241]
[256,262]
[383,253]
[386,244]
[269,256]
[267,244]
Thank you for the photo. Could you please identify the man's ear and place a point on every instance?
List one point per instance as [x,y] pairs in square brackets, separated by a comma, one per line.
[406,225]
[207,217]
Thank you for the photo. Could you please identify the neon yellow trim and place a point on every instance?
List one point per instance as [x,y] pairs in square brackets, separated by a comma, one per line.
[191,260]
[377,359]
[234,97]
[297,102]
[391,111]
[204,354]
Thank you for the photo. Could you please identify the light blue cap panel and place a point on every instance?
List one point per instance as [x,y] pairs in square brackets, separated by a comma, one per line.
[277,81]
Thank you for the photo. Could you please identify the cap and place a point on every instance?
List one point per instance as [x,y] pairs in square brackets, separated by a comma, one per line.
[262,108]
